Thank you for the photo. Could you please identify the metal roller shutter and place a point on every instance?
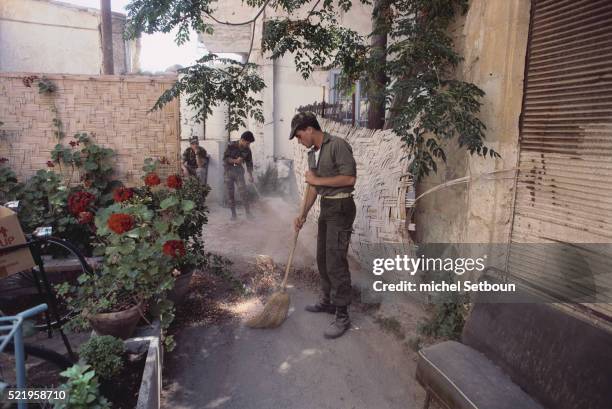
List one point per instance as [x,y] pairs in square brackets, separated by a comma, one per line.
[564,185]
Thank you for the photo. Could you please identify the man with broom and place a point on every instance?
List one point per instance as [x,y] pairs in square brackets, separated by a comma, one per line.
[332,172]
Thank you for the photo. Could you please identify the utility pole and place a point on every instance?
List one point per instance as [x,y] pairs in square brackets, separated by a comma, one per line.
[107,37]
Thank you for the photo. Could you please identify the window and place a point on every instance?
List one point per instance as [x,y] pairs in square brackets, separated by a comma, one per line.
[352,104]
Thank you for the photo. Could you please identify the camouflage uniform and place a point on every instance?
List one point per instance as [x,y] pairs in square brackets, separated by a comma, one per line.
[234,174]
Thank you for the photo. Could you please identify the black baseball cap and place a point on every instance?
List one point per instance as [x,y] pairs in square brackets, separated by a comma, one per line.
[248,136]
[303,120]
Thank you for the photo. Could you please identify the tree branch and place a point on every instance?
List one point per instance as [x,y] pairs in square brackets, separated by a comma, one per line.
[229,23]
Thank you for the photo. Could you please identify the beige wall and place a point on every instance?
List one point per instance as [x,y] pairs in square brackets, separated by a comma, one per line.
[53,37]
[114,108]
[492,38]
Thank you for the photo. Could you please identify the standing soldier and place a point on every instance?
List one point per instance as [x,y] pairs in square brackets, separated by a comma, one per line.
[194,160]
[237,153]
[333,173]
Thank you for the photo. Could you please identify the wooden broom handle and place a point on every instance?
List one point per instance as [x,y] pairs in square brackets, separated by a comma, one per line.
[295,238]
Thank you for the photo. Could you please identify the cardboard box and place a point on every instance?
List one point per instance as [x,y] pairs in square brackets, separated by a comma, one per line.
[11,235]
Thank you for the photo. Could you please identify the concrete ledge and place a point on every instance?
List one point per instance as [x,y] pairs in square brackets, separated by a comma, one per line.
[149,394]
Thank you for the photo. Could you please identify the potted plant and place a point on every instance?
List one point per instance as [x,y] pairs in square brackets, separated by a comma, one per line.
[134,272]
[182,214]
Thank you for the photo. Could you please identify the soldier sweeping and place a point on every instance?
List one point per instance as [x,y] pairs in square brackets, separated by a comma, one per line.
[333,174]
[237,153]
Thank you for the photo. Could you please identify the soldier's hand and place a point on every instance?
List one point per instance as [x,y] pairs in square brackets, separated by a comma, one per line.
[238,161]
[251,178]
[298,223]
[311,178]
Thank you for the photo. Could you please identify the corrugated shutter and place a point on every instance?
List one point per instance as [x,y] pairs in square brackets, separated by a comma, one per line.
[564,186]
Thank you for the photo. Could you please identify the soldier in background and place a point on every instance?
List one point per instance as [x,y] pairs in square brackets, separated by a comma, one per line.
[237,154]
[194,161]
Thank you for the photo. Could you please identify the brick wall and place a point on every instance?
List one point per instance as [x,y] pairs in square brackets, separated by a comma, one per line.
[113,108]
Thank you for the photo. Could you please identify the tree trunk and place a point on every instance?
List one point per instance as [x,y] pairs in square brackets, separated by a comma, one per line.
[377,80]
[107,37]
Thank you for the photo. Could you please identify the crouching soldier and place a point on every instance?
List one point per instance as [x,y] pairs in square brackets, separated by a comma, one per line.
[237,154]
[194,161]
[333,174]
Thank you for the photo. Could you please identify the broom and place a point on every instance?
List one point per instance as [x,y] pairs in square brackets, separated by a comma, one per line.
[276,309]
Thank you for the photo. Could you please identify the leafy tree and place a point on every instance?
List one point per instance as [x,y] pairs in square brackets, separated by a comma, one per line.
[407,61]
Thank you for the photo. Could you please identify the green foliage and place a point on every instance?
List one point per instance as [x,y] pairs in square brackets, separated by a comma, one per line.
[137,265]
[191,230]
[267,182]
[46,86]
[448,317]
[104,354]
[212,81]
[42,201]
[9,185]
[427,106]
[82,389]
[313,44]
[93,161]
[164,15]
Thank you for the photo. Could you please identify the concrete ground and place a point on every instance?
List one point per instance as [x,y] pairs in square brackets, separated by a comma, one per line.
[292,367]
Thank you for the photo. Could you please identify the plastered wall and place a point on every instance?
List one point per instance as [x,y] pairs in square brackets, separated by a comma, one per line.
[492,38]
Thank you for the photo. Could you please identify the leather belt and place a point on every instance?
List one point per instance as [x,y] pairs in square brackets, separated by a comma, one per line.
[339,196]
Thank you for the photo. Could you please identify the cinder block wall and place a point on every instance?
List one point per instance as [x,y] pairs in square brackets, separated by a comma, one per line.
[115,109]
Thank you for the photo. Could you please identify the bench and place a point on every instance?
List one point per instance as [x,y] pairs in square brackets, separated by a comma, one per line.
[520,356]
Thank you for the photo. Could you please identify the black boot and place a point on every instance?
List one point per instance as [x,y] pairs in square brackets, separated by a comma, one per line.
[321,306]
[234,213]
[340,325]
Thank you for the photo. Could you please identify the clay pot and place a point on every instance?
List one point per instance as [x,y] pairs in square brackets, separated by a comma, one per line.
[120,324]
[181,287]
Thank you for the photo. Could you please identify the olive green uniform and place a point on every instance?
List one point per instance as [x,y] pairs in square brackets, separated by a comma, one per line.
[234,174]
[336,219]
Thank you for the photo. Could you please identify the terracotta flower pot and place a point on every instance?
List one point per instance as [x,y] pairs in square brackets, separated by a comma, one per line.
[181,287]
[120,324]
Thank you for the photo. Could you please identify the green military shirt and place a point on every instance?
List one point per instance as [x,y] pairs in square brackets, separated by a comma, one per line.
[335,158]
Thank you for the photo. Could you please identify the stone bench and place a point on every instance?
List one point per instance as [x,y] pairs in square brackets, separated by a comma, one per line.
[520,356]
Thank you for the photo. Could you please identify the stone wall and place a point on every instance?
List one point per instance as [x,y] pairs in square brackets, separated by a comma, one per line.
[383,192]
[113,108]
[492,38]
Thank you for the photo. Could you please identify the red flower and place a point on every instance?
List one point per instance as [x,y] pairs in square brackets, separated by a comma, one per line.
[85,217]
[78,202]
[122,194]
[174,181]
[174,248]
[50,164]
[72,143]
[120,222]
[152,179]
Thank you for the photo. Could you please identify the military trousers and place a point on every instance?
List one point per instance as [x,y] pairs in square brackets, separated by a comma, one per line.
[334,234]
[234,175]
